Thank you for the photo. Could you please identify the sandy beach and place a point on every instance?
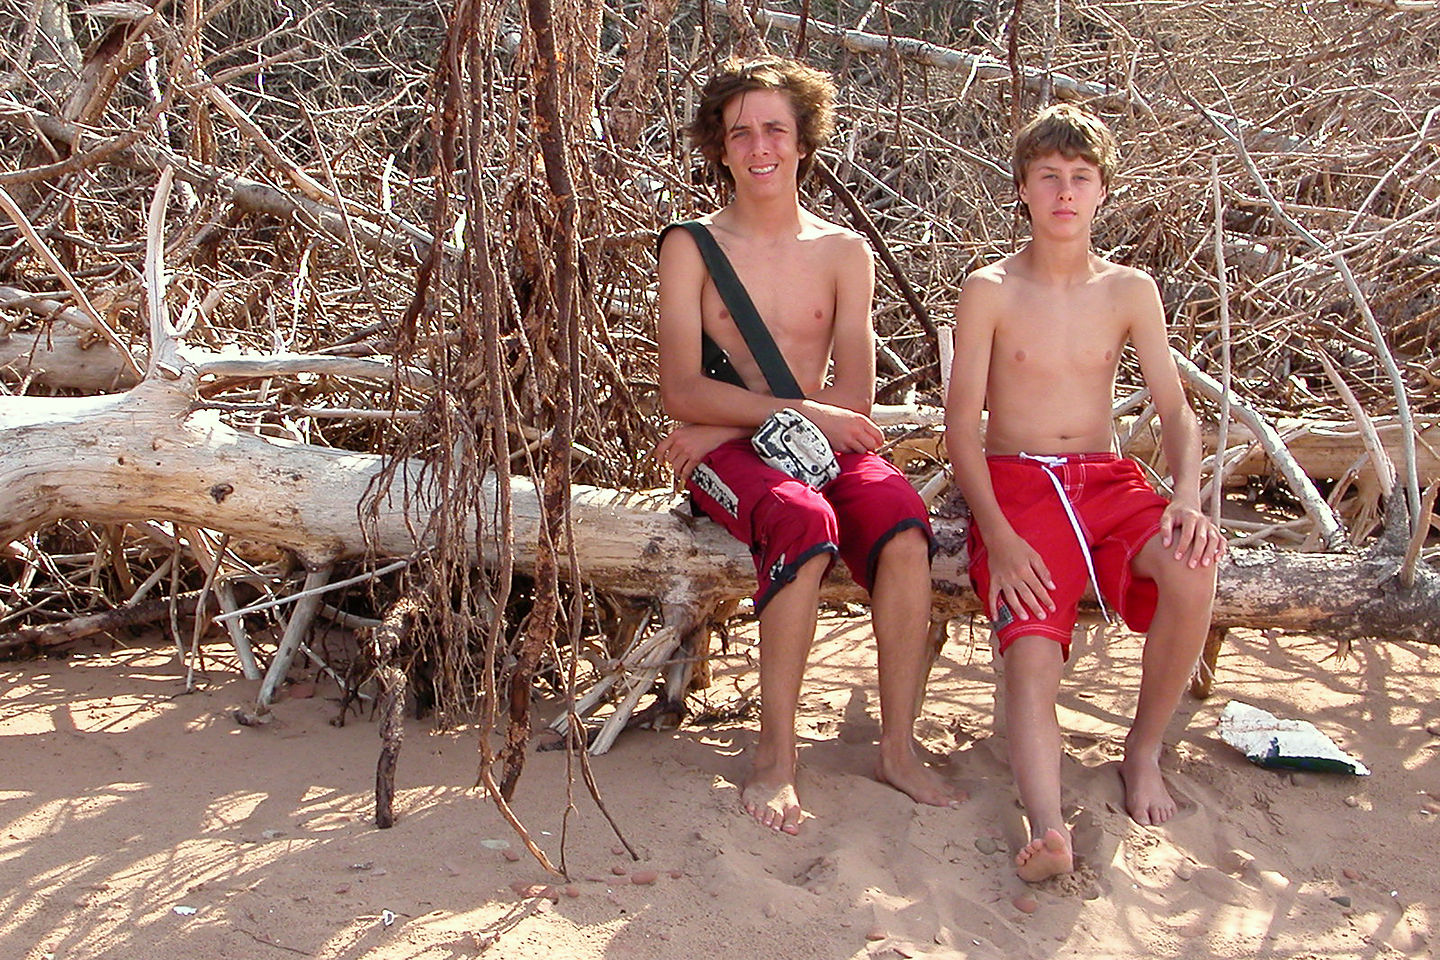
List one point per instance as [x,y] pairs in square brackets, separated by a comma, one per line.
[143,822]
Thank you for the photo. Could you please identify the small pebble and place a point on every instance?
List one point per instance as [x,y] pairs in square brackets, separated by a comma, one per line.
[1185,869]
[618,870]
[1431,806]
[643,878]
[1352,801]
[1026,903]
[618,850]
[676,874]
[1433,728]
[572,891]
[1343,900]
[769,910]
[527,889]
[1350,873]
[876,932]
[985,845]
[510,855]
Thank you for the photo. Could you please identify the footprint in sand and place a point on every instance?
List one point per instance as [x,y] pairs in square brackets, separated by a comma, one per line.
[1086,834]
[1223,888]
[818,876]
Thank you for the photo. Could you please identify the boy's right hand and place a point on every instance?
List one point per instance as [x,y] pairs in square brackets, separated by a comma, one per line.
[690,443]
[1019,577]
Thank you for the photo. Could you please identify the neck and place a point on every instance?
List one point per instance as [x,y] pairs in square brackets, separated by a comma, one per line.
[1059,260]
[767,216]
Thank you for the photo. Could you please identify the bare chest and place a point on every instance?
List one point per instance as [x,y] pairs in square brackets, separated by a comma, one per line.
[794,294]
[1049,339]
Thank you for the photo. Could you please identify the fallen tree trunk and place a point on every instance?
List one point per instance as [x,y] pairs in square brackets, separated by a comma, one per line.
[143,455]
[1324,448]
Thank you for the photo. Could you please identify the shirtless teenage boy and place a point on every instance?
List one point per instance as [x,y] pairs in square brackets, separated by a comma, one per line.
[759,124]
[1038,337]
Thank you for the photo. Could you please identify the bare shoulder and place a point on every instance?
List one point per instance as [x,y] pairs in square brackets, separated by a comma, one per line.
[990,284]
[837,242]
[1128,283]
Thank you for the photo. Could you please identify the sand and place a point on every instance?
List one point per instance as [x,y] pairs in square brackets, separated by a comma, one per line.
[137,821]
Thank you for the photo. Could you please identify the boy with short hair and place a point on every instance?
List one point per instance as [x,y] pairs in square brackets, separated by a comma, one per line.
[1038,337]
[760,123]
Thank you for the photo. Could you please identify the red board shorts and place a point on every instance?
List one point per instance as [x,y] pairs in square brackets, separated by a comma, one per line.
[1117,513]
[786,522]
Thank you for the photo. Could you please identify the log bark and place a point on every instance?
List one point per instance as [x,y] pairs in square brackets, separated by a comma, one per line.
[1324,448]
[143,455]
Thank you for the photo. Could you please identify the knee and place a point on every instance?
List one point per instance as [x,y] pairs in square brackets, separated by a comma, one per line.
[1179,584]
[909,548]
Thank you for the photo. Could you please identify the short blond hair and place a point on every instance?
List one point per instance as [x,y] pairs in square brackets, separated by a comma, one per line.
[1071,132]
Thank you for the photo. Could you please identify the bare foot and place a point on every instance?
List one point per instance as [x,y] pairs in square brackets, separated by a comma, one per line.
[1146,798]
[769,796]
[1045,857]
[908,774]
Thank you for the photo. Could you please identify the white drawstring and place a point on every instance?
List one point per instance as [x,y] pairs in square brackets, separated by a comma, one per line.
[1049,464]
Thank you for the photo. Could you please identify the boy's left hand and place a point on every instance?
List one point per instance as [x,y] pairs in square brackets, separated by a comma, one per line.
[1191,534]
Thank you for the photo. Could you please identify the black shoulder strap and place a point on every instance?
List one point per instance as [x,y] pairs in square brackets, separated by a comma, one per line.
[757,337]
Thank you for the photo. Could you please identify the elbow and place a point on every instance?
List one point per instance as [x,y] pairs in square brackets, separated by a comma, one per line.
[677,401]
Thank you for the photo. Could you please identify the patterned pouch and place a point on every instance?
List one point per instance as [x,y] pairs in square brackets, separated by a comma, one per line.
[791,443]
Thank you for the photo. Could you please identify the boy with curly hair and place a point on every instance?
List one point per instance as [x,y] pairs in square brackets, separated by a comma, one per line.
[759,124]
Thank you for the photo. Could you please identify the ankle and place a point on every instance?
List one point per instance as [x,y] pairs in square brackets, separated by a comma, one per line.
[775,757]
[1137,751]
[897,748]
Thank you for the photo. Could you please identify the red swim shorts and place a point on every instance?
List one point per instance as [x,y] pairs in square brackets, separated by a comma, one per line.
[786,523]
[1117,512]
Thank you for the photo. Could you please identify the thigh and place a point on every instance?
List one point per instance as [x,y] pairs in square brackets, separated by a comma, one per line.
[873,501]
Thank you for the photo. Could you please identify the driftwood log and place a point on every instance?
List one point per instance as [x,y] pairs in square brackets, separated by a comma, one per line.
[146,454]
[1324,448]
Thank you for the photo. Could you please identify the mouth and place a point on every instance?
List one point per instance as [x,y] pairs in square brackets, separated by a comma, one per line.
[762,171]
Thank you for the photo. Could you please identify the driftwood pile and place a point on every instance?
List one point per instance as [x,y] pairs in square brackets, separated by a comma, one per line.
[361,295]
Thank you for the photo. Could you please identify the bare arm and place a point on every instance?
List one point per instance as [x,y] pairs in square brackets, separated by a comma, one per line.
[1017,573]
[852,385]
[1184,525]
